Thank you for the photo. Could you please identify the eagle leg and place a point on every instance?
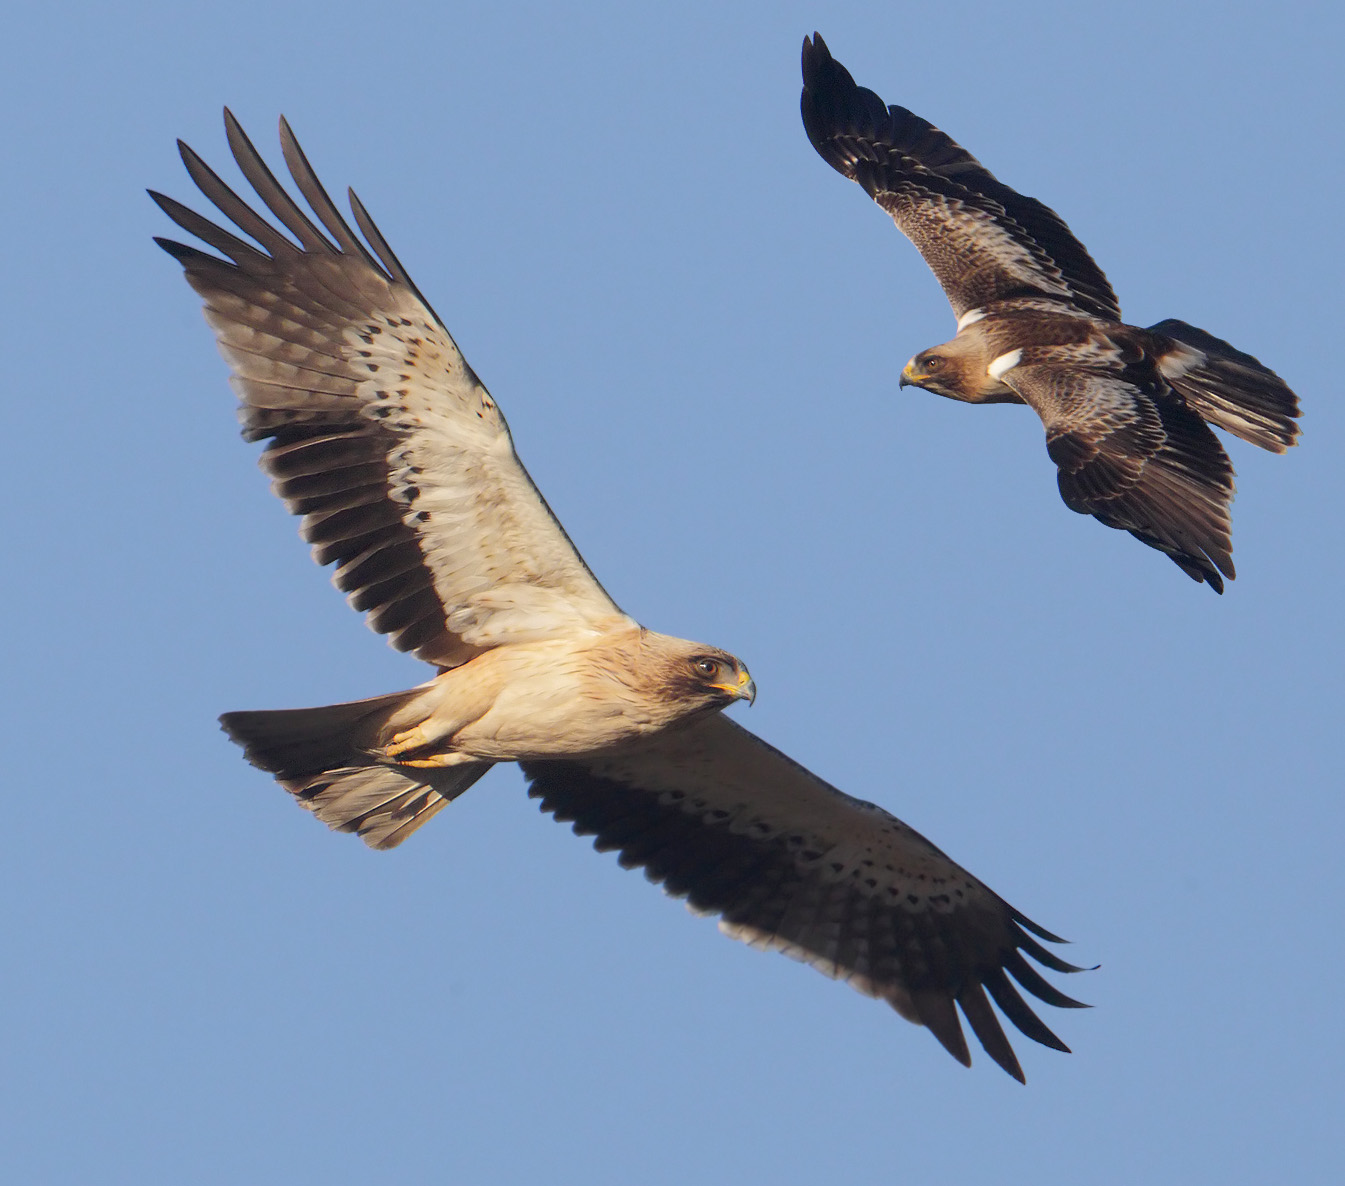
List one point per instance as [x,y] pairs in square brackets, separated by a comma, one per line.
[407,740]
[437,761]
[422,743]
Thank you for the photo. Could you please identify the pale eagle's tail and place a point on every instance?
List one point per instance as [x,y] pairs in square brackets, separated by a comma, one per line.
[323,757]
[1231,390]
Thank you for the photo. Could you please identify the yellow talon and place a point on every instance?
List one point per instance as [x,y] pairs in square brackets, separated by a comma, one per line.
[401,742]
[416,740]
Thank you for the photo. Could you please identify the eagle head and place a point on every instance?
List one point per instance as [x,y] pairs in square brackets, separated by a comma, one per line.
[693,675]
[965,369]
[673,679]
[937,370]
[719,677]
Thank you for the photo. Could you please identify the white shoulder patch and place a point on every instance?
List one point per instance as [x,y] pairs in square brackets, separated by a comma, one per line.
[1000,366]
[970,317]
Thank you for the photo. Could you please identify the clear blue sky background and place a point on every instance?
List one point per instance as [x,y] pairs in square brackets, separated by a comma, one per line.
[695,328]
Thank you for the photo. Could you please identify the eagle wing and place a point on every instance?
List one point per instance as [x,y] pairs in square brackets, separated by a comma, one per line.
[982,240]
[791,864]
[379,434]
[1134,456]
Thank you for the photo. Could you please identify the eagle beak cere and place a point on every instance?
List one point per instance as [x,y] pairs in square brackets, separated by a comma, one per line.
[907,375]
[744,689]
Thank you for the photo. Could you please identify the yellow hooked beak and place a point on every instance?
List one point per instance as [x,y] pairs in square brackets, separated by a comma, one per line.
[909,376]
[744,689]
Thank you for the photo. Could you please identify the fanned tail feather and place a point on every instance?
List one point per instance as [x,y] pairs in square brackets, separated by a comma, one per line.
[323,757]
[1230,389]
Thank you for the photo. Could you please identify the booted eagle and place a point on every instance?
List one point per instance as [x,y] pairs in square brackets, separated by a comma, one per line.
[1127,410]
[400,464]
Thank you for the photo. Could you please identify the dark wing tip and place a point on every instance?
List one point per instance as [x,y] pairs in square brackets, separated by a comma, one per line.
[937,1005]
[182,252]
[834,105]
[985,1025]
[815,52]
[1035,983]
[1036,928]
[1208,566]
[938,1014]
[188,154]
[1048,959]
[975,1006]
[1017,1011]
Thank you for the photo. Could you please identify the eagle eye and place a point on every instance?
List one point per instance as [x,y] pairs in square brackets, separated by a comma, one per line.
[933,362]
[707,666]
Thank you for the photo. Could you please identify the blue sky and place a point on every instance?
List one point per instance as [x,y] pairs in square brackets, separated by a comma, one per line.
[695,328]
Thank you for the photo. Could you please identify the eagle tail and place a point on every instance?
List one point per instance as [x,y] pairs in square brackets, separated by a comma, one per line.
[325,758]
[1230,389]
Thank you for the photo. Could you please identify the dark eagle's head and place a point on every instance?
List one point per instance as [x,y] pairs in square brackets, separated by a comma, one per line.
[960,370]
[939,370]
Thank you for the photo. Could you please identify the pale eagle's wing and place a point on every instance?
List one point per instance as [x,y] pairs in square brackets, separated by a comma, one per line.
[1134,456]
[719,817]
[380,435]
[982,240]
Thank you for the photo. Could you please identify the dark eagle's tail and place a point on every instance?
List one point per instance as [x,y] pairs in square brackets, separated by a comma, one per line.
[1231,390]
[323,757]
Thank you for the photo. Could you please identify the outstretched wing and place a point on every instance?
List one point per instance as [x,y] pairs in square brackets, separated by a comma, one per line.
[717,816]
[380,435]
[983,241]
[1134,456]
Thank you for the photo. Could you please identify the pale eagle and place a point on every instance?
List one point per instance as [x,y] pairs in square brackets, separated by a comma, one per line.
[401,465]
[1125,409]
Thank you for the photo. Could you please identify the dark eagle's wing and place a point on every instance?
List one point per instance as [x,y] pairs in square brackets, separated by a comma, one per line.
[1132,454]
[983,241]
[718,817]
[379,434]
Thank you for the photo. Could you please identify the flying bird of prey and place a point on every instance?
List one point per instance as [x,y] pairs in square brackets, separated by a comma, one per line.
[1127,410]
[380,436]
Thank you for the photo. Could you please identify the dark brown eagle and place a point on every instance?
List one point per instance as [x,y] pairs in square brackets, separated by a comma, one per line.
[1127,410]
[401,466]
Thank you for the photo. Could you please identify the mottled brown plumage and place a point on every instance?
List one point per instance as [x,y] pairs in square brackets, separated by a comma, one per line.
[399,462]
[1125,409]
